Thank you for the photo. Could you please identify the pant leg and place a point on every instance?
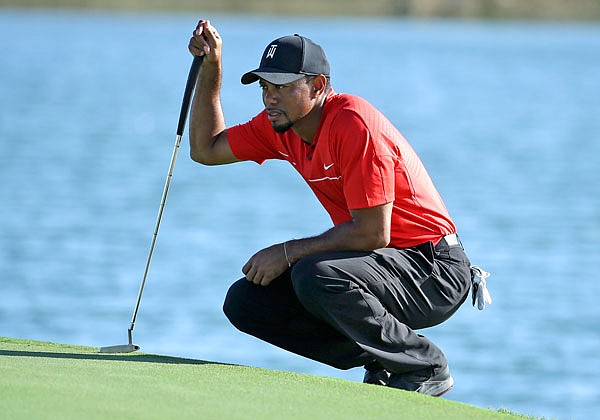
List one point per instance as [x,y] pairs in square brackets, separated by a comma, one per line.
[377,299]
[274,314]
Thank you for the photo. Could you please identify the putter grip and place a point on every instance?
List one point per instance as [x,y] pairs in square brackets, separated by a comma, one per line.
[187,95]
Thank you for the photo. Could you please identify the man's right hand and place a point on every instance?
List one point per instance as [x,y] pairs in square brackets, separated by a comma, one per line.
[206,42]
[209,144]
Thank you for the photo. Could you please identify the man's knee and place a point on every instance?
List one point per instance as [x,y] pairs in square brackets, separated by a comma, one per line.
[235,302]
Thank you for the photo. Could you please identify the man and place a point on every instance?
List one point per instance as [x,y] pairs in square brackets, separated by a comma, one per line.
[391,264]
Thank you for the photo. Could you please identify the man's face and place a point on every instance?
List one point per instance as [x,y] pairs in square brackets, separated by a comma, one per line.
[286,104]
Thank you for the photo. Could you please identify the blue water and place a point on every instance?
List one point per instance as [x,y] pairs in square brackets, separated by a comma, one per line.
[505,115]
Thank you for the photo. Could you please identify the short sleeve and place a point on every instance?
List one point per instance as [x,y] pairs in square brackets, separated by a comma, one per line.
[253,140]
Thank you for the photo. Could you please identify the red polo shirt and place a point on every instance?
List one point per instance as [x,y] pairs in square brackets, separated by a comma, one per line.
[358,160]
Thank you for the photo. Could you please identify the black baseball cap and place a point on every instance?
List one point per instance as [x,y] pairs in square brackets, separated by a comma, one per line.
[287,59]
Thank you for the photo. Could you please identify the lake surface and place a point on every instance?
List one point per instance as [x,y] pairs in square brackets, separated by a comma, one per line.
[505,115]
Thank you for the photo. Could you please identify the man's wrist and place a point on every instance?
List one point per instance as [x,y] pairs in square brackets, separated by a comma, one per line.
[285,253]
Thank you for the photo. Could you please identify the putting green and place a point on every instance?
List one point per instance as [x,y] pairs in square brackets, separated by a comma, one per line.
[47,380]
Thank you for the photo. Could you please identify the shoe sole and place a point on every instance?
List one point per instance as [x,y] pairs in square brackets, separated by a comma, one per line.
[443,392]
[441,388]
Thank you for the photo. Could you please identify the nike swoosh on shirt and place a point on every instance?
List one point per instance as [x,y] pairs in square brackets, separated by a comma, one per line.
[326,167]
[325,178]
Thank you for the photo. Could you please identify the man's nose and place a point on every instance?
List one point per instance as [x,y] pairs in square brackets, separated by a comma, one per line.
[270,96]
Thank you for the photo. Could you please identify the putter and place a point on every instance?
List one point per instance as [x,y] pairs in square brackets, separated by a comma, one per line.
[185,106]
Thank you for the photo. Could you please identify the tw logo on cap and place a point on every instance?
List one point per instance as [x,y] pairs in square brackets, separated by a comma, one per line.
[271,51]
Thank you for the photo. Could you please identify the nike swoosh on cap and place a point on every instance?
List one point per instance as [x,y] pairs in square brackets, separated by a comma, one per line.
[326,167]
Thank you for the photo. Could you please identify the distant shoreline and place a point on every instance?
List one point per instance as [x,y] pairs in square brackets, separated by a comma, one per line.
[572,10]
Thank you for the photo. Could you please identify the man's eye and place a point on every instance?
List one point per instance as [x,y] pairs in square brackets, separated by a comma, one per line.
[277,87]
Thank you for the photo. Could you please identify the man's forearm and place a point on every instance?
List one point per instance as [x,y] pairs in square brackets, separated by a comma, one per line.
[369,229]
[343,237]
[206,119]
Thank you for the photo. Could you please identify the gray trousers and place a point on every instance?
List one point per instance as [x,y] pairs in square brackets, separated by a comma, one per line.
[349,309]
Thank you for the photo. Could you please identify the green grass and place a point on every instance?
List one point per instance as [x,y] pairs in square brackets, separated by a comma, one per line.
[45,380]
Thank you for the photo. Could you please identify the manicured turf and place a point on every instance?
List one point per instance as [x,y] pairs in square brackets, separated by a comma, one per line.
[47,380]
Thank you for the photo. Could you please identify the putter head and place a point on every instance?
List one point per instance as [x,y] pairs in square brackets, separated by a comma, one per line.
[123,348]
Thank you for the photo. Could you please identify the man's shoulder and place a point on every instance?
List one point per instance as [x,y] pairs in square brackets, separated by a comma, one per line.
[344,100]
[344,108]
[349,102]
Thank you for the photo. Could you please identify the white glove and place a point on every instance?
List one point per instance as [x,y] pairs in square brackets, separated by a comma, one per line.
[479,291]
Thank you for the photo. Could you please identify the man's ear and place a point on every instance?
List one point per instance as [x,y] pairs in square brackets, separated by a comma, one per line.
[318,84]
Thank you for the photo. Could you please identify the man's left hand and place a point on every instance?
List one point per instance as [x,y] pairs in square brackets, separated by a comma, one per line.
[266,265]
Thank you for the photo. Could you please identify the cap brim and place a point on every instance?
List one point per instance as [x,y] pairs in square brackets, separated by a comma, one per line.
[271,77]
